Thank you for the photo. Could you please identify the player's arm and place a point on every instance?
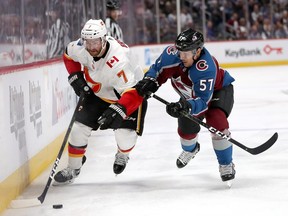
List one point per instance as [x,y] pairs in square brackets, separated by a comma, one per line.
[194,106]
[130,100]
[157,73]
[76,77]
[203,90]
[116,113]
[71,65]
[149,83]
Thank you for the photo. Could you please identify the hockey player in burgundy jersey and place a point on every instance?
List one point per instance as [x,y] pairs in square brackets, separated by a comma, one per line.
[205,91]
[104,71]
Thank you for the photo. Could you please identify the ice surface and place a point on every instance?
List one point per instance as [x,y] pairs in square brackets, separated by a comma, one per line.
[152,184]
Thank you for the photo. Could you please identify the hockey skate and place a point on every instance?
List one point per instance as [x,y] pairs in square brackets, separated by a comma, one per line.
[120,162]
[186,156]
[227,172]
[67,175]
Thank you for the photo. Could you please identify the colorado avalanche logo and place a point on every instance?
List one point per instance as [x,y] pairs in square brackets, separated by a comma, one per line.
[201,65]
[171,50]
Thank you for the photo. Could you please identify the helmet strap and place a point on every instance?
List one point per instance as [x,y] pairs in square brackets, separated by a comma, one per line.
[104,41]
[196,54]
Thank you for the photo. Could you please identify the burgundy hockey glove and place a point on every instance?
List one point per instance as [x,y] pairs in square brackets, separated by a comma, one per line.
[174,109]
[79,84]
[146,86]
[112,117]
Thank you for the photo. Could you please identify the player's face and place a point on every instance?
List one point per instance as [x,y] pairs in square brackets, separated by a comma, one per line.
[187,57]
[93,46]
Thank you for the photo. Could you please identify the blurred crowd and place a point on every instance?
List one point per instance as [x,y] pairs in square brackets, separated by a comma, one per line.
[33,30]
[258,19]
[52,22]
[220,20]
[224,20]
[32,25]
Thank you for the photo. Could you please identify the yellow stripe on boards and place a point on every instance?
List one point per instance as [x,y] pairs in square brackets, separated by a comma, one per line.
[15,184]
[254,64]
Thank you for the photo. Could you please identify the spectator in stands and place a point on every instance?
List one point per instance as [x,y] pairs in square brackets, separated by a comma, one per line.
[255,13]
[242,32]
[33,30]
[232,25]
[210,32]
[11,28]
[267,30]
[254,32]
[164,27]
[170,10]
[216,18]
[186,18]
[285,17]
[149,28]
[280,30]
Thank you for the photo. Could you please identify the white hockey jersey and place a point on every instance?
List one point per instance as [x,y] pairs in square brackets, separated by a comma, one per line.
[118,69]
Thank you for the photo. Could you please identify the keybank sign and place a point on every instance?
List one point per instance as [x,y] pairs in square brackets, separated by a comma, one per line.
[228,53]
[242,52]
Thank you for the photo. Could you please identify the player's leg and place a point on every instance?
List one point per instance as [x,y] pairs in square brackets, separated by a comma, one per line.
[126,137]
[216,116]
[188,132]
[86,120]
[126,140]
[79,135]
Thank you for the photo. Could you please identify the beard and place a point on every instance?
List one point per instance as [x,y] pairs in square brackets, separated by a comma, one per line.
[94,52]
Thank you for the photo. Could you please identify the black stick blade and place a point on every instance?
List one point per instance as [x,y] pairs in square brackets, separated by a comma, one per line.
[258,149]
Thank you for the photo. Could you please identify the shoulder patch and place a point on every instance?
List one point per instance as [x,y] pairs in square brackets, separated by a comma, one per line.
[202,65]
[171,50]
[80,42]
[112,61]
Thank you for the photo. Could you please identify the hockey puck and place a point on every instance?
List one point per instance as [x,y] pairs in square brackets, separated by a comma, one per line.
[58,206]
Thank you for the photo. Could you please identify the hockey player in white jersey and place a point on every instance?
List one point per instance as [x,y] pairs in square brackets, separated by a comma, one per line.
[104,70]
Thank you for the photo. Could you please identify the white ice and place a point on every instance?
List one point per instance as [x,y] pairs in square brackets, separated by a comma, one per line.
[152,184]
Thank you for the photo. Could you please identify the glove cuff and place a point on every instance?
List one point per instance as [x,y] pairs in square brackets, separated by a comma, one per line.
[75,76]
[152,79]
[119,109]
[79,84]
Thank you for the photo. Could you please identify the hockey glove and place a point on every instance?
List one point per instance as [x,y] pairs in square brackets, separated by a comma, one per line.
[175,109]
[146,86]
[112,117]
[79,84]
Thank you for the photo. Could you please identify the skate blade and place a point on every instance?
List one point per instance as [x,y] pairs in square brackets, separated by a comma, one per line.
[55,183]
[229,183]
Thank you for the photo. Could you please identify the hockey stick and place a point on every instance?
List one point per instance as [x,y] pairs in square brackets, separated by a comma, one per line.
[24,203]
[254,151]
